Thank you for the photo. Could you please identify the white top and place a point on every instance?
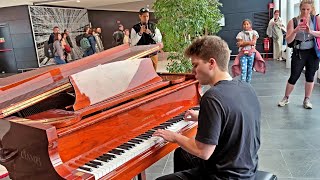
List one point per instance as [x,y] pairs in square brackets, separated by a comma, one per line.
[247,36]
[135,37]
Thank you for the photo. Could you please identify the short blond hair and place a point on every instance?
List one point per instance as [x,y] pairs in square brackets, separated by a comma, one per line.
[207,47]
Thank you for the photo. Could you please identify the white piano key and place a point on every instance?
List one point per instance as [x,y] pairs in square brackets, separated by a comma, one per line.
[94,174]
[136,150]
[98,173]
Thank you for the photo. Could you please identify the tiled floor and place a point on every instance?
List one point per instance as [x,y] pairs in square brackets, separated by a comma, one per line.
[290,135]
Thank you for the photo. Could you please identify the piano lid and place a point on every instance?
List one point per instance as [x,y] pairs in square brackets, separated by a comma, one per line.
[106,81]
[23,90]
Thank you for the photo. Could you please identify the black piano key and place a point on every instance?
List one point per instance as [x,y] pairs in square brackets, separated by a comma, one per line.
[163,127]
[102,159]
[143,137]
[138,139]
[109,155]
[175,120]
[116,151]
[158,127]
[167,123]
[123,147]
[129,144]
[146,135]
[135,141]
[96,163]
[85,168]
[91,165]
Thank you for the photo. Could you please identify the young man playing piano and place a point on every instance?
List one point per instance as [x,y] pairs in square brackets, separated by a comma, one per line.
[228,136]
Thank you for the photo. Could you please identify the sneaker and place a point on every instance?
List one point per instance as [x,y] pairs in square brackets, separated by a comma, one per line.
[283,102]
[307,104]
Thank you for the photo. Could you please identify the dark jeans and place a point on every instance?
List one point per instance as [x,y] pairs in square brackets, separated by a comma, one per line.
[88,52]
[58,60]
[300,59]
[186,167]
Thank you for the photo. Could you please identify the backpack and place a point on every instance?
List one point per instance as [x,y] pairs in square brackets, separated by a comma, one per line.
[85,43]
[48,50]
[295,24]
[118,38]
[78,39]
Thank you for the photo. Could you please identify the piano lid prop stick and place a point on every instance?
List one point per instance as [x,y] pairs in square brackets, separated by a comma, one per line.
[53,120]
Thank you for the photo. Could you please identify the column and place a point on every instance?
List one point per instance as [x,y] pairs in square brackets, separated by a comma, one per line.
[317,6]
[276,4]
[283,12]
[290,15]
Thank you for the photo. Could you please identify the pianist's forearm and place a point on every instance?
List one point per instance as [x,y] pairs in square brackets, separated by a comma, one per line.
[194,147]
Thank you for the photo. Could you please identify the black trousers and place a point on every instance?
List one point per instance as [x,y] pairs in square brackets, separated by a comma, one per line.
[300,59]
[186,167]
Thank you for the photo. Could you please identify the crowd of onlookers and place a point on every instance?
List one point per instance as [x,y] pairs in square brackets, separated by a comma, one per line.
[60,46]
[90,42]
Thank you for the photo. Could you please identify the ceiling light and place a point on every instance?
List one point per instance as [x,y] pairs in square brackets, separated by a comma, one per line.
[78,1]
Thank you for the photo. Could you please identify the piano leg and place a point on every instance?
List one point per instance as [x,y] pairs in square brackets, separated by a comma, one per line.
[154,61]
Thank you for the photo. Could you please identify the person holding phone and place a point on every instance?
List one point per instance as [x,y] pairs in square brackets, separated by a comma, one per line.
[304,54]
[146,33]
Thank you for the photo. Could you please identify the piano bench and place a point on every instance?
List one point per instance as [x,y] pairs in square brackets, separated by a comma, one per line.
[262,175]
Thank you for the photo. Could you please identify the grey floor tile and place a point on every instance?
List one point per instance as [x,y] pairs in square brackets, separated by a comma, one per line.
[272,161]
[152,176]
[284,139]
[301,163]
[156,168]
[312,137]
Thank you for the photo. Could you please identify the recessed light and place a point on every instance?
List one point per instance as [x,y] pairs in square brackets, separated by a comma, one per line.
[78,1]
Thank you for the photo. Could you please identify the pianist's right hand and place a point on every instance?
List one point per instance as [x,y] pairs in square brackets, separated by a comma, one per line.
[191,115]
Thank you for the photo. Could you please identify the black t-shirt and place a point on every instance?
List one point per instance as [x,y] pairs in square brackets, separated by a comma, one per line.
[229,118]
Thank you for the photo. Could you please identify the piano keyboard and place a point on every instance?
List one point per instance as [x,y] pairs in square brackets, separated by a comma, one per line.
[113,159]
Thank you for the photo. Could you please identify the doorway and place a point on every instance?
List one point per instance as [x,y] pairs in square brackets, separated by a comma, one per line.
[7,58]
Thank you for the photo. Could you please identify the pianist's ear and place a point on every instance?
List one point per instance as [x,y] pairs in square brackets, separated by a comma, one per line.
[212,63]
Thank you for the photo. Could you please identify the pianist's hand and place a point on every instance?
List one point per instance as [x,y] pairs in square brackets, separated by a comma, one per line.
[166,135]
[191,115]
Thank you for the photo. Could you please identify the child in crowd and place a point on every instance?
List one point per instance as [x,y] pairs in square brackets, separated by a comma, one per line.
[248,57]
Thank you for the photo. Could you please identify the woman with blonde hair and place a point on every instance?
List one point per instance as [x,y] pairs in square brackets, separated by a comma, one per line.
[304,55]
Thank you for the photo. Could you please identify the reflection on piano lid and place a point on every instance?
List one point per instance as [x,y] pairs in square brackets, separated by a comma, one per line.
[93,121]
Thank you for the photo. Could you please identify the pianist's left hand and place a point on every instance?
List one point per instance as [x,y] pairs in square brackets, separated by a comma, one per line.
[166,135]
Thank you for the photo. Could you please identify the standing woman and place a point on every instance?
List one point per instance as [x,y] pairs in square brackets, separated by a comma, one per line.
[304,54]
[58,50]
[274,30]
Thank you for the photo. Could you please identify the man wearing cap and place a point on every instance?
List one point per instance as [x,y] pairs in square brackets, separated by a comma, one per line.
[146,33]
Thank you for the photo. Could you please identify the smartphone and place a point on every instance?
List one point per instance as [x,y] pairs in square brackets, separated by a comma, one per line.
[303,21]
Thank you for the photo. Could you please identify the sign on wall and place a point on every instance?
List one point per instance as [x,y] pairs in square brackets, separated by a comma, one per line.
[43,19]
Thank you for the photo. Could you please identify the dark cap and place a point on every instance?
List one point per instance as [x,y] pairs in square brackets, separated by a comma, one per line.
[143,10]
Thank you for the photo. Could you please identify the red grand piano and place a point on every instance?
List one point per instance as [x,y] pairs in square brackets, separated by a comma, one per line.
[92,118]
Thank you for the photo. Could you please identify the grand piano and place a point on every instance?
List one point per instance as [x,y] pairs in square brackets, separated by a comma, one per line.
[92,118]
